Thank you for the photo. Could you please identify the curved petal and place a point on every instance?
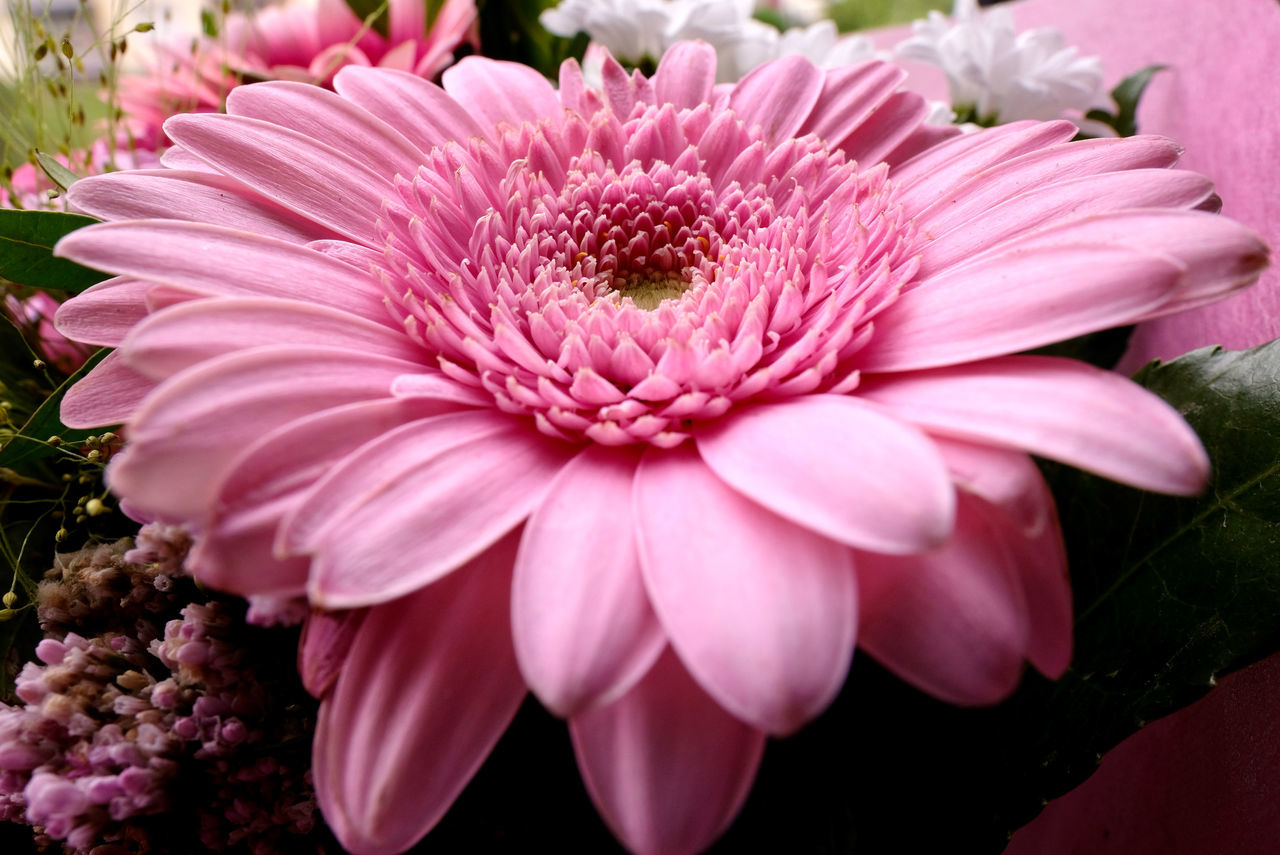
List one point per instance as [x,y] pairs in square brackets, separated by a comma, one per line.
[685,75]
[413,505]
[761,611]
[665,765]
[326,640]
[1057,408]
[104,313]
[1011,484]
[892,124]
[849,96]
[501,92]
[838,467]
[178,253]
[777,96]
[328,118]
[194,424]
[583,627]
[200,197]
[312,179]
[108,395]
[429,685]
[419,109]
[1019,299]
[192,332]
[951,622]
[236,551]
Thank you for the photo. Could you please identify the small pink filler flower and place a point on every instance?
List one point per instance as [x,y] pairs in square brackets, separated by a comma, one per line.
[652,399]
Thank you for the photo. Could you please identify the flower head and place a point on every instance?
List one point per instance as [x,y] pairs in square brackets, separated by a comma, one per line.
[304,40]
[997,74]
[653,399]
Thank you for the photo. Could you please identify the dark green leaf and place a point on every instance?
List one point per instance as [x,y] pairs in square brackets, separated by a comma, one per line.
[1127,94]
[29,445]
[374,13]
[57,173]
[26,250]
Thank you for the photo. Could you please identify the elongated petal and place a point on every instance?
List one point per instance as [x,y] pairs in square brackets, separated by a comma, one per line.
[428,686]
[328,118]
[193,425]
[583,627]
[761,610]
[419,502]
[777,97]
[1020,299]
[419,109]
[246,264]
[193,332]
[322,650]
[498,92]
[198,197]
[268,480]
[104,313]
[1021,507]
[849,95]
[1057,408]
[309,178]
[951,622]
[665,765]
[108,395]
[892,124]
[837,467]
[685,74]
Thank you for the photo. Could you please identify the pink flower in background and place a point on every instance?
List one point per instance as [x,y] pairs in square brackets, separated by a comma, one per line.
[304,40]
[652,399]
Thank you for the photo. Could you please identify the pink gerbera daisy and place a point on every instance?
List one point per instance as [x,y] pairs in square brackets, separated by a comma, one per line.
[303,40]
[653,399]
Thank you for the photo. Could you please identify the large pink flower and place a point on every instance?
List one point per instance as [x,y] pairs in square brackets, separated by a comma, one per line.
[303,40]
[652,400]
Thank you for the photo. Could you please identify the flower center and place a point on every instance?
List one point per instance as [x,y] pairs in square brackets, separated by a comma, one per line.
[647,289]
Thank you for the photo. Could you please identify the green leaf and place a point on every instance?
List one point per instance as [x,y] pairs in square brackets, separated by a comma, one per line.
[29,444]
[26,250]
[1171,592]
[1127,94]
[850,15]
[57,173]
[374,13]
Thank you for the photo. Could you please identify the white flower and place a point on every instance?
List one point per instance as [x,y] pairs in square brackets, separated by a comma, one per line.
[1000,74]
[638,30]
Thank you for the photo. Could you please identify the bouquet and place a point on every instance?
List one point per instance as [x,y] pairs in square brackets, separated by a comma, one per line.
[469,426]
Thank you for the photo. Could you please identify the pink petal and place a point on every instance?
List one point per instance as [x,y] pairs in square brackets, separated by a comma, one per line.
[777,97]
[1063,202]
[322,650]
[200,197]
[190,333]
[194,424]
[984,190]
[501,92]
[428,686]
[291,169]
[330,119]
[893,123]
[583,627]
[420,110]
[665,765]
[413,505]
[108,395]
[104,313]
[849,95]
[685,75]
[236,551]
[760,610]
[1017,300]
[179,253]
[951,622]
[837,467]
[1057,408]
[1020,501]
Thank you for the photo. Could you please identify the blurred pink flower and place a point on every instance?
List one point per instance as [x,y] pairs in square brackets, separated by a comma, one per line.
[303,40]
[651,399]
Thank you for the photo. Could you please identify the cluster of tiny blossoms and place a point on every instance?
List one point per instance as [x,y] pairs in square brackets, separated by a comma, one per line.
[156,720]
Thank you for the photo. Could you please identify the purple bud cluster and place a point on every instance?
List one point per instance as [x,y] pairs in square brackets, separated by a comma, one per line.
[156,719]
